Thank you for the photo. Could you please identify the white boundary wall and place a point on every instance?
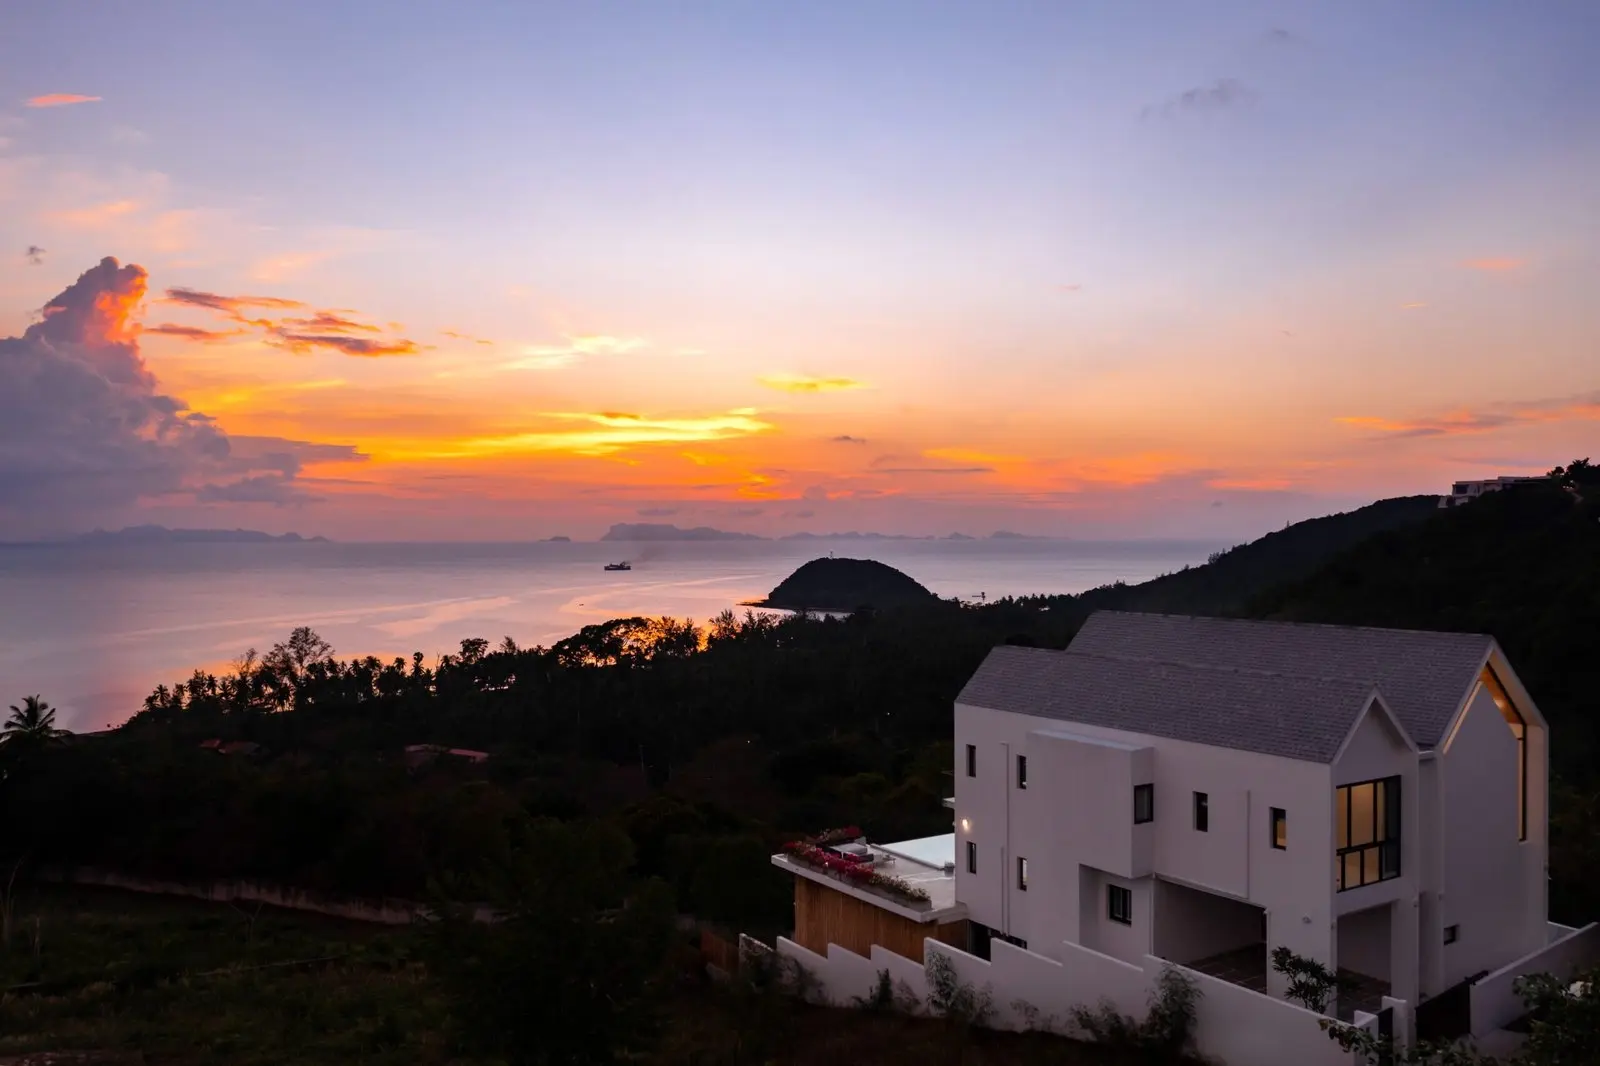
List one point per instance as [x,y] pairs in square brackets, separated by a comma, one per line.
[1233,1025]
[1495,1002]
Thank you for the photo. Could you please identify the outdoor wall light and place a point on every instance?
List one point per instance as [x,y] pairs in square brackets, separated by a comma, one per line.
[966,825]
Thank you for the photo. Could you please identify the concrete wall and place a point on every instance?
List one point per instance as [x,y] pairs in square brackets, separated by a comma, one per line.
[1129,942]
[1239,1027]
[1494,998]
[1493,884]
[1028,990]
[1192,925]
[1365,942]
[1060,817]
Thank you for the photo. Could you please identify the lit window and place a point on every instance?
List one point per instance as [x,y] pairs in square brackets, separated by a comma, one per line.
[1280,828]
[1366,833]
[1144,804]
[1119,904]
[1519,729]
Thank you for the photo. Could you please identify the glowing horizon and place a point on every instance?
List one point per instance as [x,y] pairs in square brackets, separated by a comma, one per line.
[1045,272]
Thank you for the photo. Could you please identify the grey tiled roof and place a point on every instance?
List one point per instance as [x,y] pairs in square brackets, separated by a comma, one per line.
[1274,714]
[1423,675]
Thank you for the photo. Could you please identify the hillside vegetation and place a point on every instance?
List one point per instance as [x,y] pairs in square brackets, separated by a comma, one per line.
[642,766]
[1230,579]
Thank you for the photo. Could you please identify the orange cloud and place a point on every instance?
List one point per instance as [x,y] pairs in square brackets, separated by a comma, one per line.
[362,346]
[322,329]
[193,333]
[95,216]
[1495,264]
[607,432]
[466,337]
[231,306]
[61,100]
[1252,484]
[330,322]
[283,266]
[801,383]
[1503,416]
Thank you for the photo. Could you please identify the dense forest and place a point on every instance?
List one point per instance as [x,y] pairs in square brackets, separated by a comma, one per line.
[677,757]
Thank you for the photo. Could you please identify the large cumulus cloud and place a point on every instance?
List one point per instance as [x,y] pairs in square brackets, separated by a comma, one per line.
[85,429]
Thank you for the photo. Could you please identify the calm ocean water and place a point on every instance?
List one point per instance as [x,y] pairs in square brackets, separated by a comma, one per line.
[94,629]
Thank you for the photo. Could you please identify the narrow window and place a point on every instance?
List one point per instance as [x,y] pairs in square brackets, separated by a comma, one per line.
[1119,904]
[1144,804]
[972,760]
[1022,771]
[1202,812]
[1452,933]
[972,856]
[1022,874]
[1280,828]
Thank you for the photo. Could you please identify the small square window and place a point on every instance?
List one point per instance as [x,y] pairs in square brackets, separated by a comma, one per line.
[972,856]
[972,760]
[1280,829]
[1144,804]
[1119,904]
[1022,874]
[1022,771]
[1452,933]
[1202,812]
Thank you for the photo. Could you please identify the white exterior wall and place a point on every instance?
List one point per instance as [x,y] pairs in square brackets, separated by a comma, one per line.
[1232,1024]
[1079,801]
[1377,749]
[1493,885]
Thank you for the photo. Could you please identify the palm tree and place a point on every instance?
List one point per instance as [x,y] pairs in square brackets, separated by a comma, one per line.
[34,721]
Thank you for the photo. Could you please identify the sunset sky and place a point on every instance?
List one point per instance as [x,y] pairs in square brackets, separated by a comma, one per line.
[500,270]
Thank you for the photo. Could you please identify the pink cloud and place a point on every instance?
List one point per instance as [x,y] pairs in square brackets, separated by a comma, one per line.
[61,100]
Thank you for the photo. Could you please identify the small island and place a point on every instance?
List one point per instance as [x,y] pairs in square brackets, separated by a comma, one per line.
[844,585]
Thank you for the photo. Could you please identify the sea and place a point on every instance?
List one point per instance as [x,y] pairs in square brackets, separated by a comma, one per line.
[93,628]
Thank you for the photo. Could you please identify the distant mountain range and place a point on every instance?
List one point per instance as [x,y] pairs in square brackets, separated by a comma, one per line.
[163,535]
[635,532]
[652,531]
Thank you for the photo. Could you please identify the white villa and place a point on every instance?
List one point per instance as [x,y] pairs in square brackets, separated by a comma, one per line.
[1462,492]
[1200,791]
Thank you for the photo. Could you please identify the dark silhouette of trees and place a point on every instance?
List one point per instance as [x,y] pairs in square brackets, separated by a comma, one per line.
[32,723]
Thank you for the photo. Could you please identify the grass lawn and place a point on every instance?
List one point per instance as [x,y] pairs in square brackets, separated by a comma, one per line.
[121,978]
[184,981]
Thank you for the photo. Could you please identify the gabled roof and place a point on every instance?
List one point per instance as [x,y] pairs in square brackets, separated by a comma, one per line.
[1293,717]
[1424,676]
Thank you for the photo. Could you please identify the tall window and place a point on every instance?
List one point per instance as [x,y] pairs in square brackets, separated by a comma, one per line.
[1366,819]
[1144,804]
[1022,874]
[972,760]
[1202,812]
[1119,904]
[972,856]
[1022,771]
[1519,729]
[1280,828]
